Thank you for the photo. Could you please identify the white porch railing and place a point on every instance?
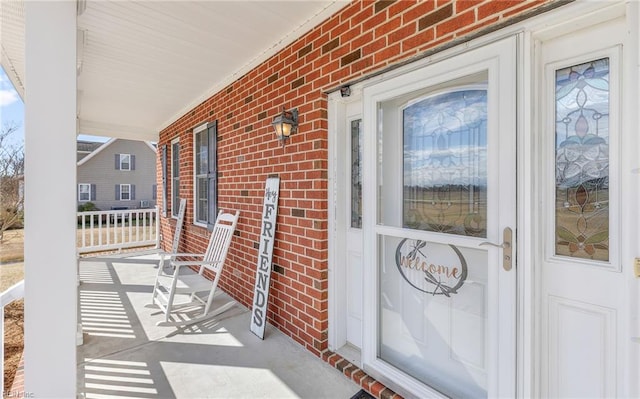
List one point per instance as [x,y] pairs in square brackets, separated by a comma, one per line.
[12,294]
[117,229]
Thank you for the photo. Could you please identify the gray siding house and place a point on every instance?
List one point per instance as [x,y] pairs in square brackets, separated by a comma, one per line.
[119,174]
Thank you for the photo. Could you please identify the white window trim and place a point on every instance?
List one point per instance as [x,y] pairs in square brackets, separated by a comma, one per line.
[128,164]
[128,192]
[80,192]
[196,130]
[173,212]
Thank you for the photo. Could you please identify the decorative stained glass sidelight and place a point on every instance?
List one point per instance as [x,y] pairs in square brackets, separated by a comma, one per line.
[582,160]
[356,174]
[445,163]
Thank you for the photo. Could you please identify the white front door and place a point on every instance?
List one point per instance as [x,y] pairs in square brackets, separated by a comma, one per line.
[584,323]
[439,222]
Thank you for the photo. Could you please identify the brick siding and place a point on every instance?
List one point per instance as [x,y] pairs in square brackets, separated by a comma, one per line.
[361,39]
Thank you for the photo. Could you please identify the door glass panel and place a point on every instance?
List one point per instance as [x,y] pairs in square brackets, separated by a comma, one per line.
[356,174]
[445,163]
[433,314]
[432,179]
[582,160]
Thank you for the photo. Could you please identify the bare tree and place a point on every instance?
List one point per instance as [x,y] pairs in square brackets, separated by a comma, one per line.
[11,180]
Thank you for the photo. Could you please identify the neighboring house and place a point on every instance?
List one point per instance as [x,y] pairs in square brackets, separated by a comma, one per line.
[118,174]
[86,147]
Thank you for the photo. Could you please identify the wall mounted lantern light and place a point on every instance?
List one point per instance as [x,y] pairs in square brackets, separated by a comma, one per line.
[285,124]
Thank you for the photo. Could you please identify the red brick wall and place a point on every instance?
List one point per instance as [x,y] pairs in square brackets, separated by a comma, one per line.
[360,39]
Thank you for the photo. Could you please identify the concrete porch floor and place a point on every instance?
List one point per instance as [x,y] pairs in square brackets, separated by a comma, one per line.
[125,355]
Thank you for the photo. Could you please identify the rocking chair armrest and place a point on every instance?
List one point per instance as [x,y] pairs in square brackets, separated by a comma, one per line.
[181,263]
[176,254]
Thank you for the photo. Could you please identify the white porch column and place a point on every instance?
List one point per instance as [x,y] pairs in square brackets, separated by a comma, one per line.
[50,199]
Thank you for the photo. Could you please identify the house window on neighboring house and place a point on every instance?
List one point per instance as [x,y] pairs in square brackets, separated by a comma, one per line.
[86,192]
[205,174]
[175,177]
[125,162]
[125,192]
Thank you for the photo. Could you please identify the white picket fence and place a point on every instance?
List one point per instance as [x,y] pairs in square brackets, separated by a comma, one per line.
[117,229]
[12,294]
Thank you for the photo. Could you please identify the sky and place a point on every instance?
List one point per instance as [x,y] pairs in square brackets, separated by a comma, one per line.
[11,108]
[12,111]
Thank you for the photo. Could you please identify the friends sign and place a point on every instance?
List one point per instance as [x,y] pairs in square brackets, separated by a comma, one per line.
[265,255]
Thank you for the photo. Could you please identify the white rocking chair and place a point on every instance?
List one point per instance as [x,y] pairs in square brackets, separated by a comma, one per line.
[209,264]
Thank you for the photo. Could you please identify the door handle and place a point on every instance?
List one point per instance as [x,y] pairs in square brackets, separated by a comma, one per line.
[507,251]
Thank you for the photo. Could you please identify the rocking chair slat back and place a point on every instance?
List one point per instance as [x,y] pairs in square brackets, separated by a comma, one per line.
[219,241]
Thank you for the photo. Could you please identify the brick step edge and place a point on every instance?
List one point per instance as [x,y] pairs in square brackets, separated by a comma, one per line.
[366,382]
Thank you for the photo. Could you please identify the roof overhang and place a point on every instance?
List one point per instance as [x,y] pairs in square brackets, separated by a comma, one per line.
[143,64]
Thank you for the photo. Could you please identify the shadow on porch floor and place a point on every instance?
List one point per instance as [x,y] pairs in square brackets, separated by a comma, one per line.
[126,355]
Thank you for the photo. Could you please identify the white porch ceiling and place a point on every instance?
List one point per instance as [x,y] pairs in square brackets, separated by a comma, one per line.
[142,64]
